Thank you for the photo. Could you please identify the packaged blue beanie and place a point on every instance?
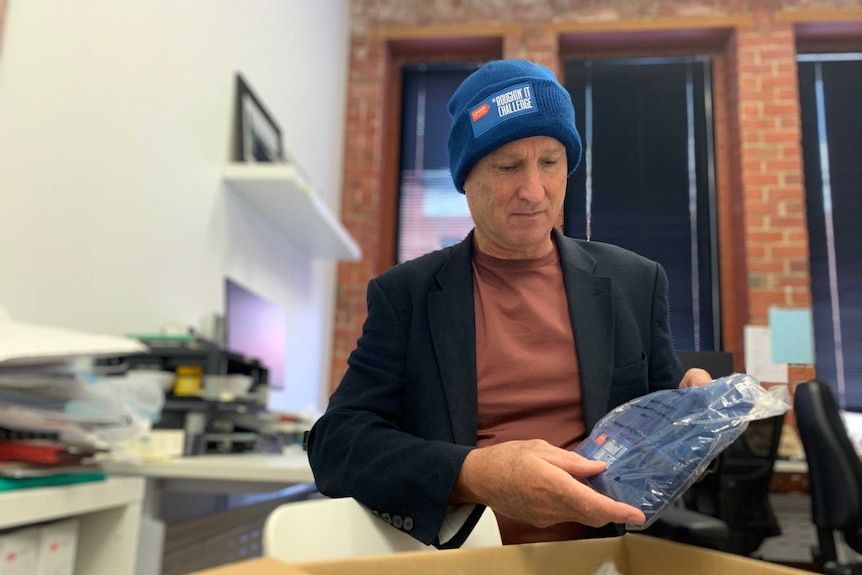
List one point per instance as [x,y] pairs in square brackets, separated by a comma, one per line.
[657,445]
[504,101]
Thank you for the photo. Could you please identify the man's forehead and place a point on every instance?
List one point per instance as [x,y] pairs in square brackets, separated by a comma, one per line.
[545,144]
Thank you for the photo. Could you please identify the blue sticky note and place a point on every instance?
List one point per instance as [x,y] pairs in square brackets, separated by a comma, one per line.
[792,334]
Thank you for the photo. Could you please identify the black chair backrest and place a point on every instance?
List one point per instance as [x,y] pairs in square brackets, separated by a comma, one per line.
[834,470]
[737,490]
[744,473]
[757,447]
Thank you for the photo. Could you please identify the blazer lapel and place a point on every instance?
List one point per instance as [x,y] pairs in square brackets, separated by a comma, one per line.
[591,310]
[453,335]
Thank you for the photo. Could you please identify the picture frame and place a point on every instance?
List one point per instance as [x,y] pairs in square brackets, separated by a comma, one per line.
[258,135]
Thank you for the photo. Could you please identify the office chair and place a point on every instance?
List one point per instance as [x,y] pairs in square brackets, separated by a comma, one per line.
[834,472]
[737,492]
[327,528]
[728,508]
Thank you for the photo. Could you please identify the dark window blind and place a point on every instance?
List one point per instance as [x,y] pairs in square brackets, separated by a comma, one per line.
[645,181]
[829,92]
[432,214]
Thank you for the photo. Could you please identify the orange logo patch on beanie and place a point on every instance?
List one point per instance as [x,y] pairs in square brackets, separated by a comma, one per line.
[479,112]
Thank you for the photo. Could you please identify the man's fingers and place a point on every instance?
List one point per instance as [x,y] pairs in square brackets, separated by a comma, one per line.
[598,510]
[695,377]
[577,465]
[534,482]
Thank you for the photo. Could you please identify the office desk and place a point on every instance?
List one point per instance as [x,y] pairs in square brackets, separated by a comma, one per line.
[217,474]
[790,466]
[789,475]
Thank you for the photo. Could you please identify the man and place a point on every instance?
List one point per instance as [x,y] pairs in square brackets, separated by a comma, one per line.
[481,366]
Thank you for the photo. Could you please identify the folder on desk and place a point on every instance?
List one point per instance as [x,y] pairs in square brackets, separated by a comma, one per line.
[43,451]
[8,484]
[22,470]
[31,344]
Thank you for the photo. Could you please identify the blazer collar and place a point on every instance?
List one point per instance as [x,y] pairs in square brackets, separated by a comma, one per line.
[452,319]
[591,311]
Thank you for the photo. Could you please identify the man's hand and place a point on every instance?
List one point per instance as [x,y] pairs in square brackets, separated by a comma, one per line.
[694,378]
[536,483]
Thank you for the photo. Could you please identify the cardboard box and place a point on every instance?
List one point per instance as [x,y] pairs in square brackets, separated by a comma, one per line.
[632,554]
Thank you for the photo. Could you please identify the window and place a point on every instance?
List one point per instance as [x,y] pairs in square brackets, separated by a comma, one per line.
[646,178]
[645,182]
[829,88]
[431,213]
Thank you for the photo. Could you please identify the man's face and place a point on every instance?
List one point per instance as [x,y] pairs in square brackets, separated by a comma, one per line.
[515,195]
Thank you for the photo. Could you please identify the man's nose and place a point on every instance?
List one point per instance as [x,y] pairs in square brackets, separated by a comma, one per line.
[532,185]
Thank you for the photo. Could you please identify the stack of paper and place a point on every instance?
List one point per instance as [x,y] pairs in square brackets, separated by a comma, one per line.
[30,344]
[55,421]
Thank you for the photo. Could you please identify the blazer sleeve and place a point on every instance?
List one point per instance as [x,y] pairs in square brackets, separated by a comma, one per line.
[367,444]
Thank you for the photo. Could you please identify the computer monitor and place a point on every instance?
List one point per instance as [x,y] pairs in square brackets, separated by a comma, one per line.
[853,424]
[717,363]
[256,328]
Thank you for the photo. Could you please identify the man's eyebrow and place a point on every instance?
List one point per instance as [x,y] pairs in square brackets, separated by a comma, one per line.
[506,156]
[499,155]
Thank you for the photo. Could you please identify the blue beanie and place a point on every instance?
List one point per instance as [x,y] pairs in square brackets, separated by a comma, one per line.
[504,101]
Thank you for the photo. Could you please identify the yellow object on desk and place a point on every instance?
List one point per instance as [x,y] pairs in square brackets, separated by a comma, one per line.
[189,380]
[155,445]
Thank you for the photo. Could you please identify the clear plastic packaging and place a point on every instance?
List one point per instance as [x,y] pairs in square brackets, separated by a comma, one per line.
[657,445]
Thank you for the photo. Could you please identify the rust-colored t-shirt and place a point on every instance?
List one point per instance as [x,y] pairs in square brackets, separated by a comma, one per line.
[527,370]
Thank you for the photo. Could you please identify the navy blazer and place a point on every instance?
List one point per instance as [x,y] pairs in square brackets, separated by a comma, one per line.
[404,417]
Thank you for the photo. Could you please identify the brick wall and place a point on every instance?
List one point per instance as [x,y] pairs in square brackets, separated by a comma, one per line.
[764,240]
[771,167]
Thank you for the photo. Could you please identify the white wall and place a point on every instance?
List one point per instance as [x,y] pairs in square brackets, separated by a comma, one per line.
[115,124]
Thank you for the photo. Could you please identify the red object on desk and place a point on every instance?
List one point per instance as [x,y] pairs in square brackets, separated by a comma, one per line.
[40,451]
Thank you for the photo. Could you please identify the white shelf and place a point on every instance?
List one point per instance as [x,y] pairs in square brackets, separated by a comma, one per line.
[35,505]
[282,195]
[109,515]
